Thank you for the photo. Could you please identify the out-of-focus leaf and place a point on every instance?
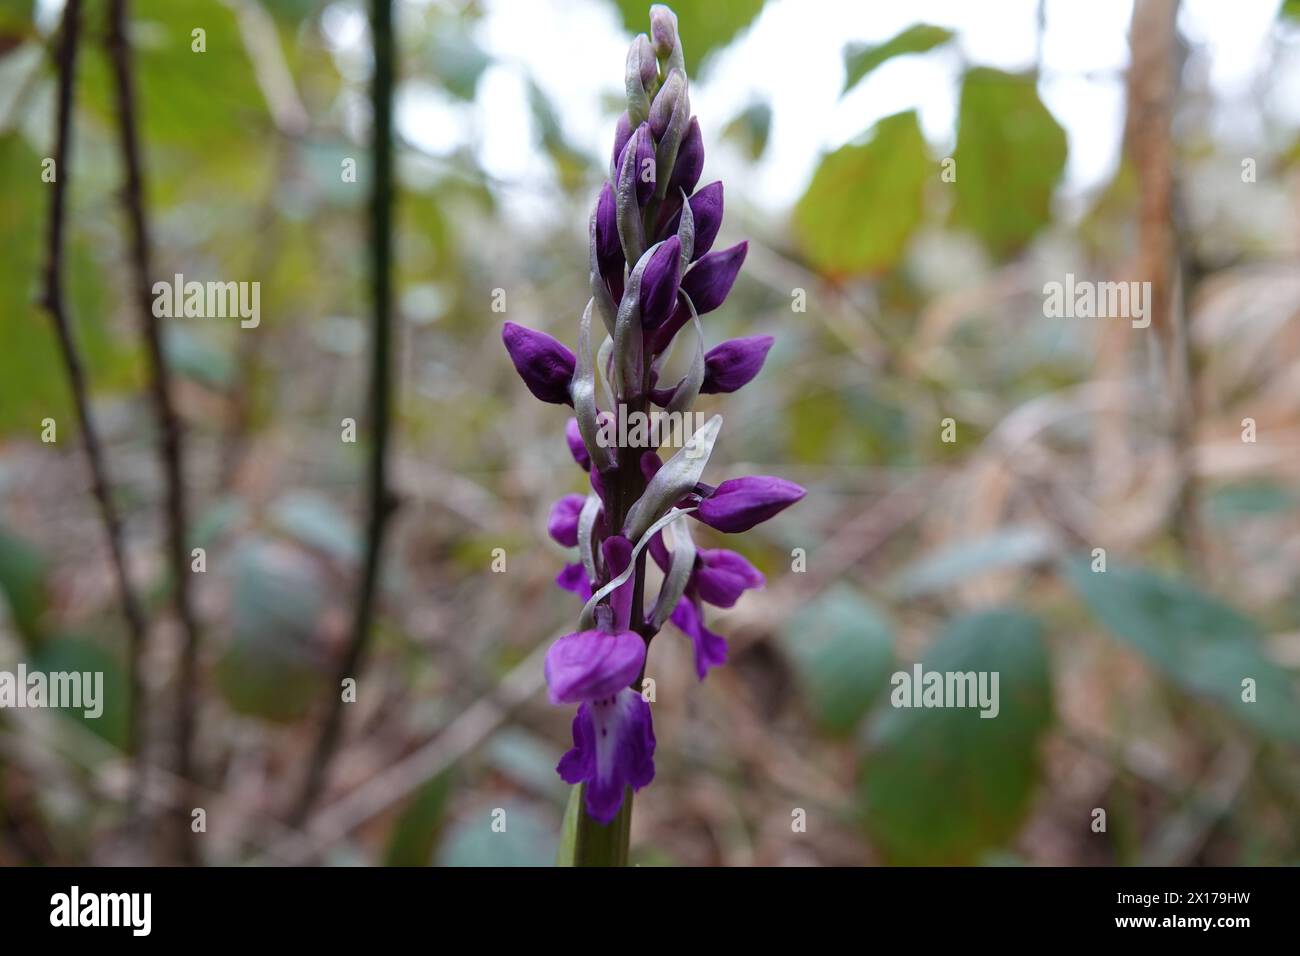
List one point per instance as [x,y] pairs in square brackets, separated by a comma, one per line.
[318,523]
[1206,646]
[843,652]
[527,839]
[1010,155]
[751,128]
[271,668]
[81,655]
[526,760]
[1249,499]
[943,785]
[415,834]
[1290,8]
[860,59]
[192,356]
[865,200]
[704,25]
[456,59]
[22,581]
[1005,548]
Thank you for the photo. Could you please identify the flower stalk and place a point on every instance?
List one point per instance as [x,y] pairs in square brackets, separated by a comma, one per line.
[653,275]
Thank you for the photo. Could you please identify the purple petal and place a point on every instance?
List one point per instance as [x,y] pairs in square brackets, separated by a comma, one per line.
[740,503]
[577,447]
[734,363]
[706,207]
[622,133]
[690,161]
[609,251]
[721,576]
[573,578]
[618,555]
[710,648]
[588,665]
[665,102]
[710,279]
[659,283]
[644,166]
[563,522]
[544,364]
[613,749]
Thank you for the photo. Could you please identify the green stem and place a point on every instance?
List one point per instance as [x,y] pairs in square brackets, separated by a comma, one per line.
[599,845]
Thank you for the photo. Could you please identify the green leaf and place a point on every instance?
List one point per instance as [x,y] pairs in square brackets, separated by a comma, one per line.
[569,828]
[1291,8]
[83,655]
[843,652]
[415,834]
[317,522]
[271,668]
[22,582]
[944,785]
[865,199]
[1004,548]
[750,129]
[704,25]
[1206,646]
[1010,155]
[861,59]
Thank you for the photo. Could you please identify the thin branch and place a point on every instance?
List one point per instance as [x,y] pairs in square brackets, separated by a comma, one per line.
[170,436]
[52,300]
[381,497]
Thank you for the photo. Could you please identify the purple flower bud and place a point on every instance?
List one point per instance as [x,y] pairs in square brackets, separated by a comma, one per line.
[563,522]
[706,207]
[710,279]
[721,576]
[618,555]
[544,364]
[577,448]
[589,665]
[609,250]
[740,503]
[690,161]
[644,166]
[622,133]
[734,363]
[659,283]
[663,29]
[573,577]
[661,110]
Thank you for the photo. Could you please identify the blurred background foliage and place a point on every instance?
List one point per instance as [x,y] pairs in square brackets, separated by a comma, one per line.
[1119,690]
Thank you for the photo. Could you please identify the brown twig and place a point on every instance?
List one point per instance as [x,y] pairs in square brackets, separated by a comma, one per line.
[52,300]
[171,439]
[381,497]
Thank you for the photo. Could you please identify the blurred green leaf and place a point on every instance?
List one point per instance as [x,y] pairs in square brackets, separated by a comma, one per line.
[456,59]
[843,652]
[704,25]
[190,355]
[415,835]
[271,667]
[865,199]
[83,655]
[1206,646]
[943,785]
[1291,8]
[527,839]
[526,760]
[750,129]
[318,523]
[1010,155]
[861,59]
[1004,548]
[22,581]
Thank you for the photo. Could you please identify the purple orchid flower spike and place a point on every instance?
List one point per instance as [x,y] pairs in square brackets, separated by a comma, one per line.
[653,270]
